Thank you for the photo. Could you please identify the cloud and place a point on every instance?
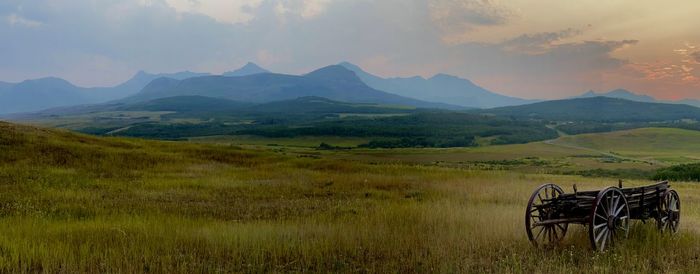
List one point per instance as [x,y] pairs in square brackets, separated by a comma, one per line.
[696,55]
[306,9]
[17,20]
[133,33]
[683,70]
[557,70]
[454,18]
[671,78]
[538,42]
[312,8]
[227,11]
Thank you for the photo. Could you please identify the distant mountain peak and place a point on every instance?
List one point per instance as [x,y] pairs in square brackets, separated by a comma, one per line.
[621,91]
[351,66]
[589,93]
[249,68]
[252,66]
[620,94]
[347,64]
[48,82]
[442,75]
[449,78]
[334,72]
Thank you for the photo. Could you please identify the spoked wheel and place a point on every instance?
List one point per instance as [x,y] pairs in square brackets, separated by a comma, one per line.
[609,221]
[669,212]
[540,210]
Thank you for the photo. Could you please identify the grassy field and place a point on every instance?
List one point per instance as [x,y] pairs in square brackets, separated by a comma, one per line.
[662,145]
[312,142]
[645,150]
[74,203]
[99,119]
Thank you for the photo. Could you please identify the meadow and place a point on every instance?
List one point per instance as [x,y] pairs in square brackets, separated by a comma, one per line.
[77,203]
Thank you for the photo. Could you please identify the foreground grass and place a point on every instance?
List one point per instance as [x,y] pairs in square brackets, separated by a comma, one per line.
[71,203]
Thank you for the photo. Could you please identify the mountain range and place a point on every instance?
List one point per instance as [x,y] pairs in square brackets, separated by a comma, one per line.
[332,82]
[45,93]
[345,82]
[51,92]
[440,88]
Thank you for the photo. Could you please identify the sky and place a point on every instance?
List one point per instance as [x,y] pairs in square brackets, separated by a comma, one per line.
[542,49]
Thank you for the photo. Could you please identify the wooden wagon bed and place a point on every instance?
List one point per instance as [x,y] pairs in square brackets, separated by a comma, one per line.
[606,212]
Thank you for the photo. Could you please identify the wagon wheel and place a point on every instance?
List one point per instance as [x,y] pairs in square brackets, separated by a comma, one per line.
[539,210]
[669,212]
[609,220]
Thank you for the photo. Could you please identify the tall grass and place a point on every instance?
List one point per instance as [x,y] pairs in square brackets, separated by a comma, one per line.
[73,203]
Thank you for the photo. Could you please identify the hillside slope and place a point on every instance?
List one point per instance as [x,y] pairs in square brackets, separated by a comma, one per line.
[601,109]
[632,96]
[664,145]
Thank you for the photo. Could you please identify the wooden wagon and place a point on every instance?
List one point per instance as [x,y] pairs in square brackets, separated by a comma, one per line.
[607,212]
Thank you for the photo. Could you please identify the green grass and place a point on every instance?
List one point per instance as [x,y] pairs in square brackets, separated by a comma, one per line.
[75,203]
[664,145]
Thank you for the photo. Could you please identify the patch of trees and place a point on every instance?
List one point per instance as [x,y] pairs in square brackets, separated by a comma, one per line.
[466,141]
[424,129]
[440,129]
[685,172]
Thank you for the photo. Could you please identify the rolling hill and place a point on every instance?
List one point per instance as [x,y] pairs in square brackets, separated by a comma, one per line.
[441,88]
[599,109]
[632,96]
[332,82]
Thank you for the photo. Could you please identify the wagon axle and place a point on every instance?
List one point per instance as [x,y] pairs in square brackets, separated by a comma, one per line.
[606,212]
